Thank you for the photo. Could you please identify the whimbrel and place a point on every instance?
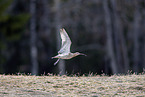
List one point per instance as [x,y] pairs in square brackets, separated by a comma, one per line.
[64,52]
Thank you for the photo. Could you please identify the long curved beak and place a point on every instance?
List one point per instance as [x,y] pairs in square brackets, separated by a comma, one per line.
[83,54]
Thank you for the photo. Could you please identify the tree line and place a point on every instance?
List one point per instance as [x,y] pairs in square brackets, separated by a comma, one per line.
[110,32]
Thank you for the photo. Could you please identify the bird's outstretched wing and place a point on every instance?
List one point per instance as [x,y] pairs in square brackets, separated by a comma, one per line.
[66,42]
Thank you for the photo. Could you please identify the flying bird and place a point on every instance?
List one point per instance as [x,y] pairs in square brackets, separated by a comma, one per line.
[64,52]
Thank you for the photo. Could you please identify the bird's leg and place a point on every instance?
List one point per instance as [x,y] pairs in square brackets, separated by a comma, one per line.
[56,61]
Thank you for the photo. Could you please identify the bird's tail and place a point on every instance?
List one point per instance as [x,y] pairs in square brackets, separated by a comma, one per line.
[54,57]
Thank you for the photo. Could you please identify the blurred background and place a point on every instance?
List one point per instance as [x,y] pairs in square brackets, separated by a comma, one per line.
[110,32]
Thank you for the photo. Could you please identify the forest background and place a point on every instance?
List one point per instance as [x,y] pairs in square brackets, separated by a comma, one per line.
[110,32]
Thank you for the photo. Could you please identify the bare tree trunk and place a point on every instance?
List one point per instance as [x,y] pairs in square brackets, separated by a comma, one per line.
[144,49]
[61,64]
[122,59]
[144,39]
[117,30]
[136,31]
[44,21]
[125,53]
[143,46]
[44,36]
[76,17]
[33,47]
[109,44]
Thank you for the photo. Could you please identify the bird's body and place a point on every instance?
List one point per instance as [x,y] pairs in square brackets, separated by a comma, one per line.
[64,52]
[65,55]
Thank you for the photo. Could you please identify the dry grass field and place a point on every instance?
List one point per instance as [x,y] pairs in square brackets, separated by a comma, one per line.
[66,86]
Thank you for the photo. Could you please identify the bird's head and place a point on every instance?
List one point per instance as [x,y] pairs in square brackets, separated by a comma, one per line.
[77,53]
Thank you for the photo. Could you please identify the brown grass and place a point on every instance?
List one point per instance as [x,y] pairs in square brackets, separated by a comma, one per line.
[48,86]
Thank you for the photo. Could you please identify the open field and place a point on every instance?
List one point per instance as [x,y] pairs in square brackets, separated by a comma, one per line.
[52,86]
